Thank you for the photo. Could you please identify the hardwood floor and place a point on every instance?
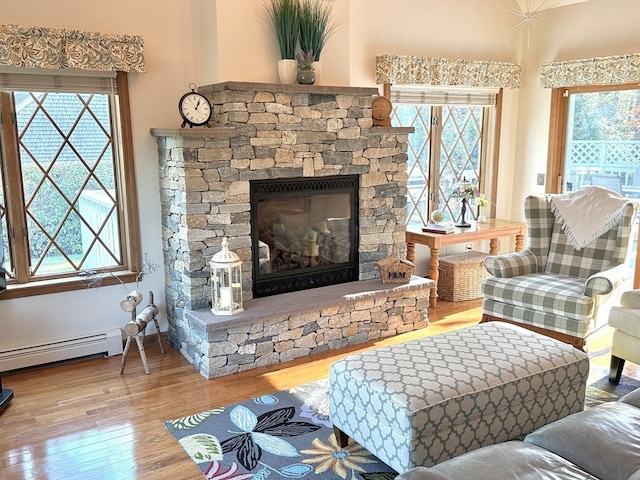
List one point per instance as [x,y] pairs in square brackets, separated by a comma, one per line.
[84,421]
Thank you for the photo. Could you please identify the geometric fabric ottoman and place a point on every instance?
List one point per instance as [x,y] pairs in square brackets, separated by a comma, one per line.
[424,401]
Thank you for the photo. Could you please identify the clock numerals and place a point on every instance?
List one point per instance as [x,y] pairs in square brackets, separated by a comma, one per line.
[194,109]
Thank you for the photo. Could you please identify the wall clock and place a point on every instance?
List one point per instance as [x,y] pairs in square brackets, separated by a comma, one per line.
[194,109]
[381,111]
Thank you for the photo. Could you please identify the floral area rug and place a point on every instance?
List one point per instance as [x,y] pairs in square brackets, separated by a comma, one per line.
[603,391]
[288,434]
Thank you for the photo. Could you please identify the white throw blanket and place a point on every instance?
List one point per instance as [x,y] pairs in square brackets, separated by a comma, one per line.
[588,213]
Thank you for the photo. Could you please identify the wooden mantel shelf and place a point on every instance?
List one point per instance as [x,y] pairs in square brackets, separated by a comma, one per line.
[287,88]
[193,132]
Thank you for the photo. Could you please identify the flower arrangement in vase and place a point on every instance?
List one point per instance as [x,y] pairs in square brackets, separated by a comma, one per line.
[306,74]
[317,25]
[481,201]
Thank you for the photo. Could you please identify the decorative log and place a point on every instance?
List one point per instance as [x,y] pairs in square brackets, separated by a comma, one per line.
[137,325]
[131,301]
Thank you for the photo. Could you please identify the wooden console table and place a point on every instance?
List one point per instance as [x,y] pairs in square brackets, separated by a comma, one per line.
[491,230]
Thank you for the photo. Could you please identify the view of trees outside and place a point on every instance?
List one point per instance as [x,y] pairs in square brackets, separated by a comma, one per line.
[603,141]
[67,167]
[459,139]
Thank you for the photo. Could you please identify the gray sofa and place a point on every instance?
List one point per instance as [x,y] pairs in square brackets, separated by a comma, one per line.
[599,443]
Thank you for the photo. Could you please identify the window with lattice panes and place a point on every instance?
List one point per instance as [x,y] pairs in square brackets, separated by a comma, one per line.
[67,198]
[451,143]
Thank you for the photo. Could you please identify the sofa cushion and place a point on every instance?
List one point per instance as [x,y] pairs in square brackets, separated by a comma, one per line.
[604,440]
[423,473]
[632,398]
[564,259]
[511,460]
[635,476]
[548,293]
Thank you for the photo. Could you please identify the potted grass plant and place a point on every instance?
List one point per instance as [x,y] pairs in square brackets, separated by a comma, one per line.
[283,16]
[317,24]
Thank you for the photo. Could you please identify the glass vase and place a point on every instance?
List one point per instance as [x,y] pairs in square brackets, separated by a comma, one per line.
[306,77]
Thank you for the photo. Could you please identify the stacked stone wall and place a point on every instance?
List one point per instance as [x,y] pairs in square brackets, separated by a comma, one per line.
[222,347]
[267,131]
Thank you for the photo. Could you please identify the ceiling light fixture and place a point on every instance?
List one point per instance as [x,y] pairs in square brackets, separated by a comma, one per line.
[527,16]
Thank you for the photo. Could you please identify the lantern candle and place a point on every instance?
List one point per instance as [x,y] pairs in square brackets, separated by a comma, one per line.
[226,282]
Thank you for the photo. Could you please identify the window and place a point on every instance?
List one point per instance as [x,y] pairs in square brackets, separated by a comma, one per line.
[595,140]
[452,141]
[67,186]
[598,142]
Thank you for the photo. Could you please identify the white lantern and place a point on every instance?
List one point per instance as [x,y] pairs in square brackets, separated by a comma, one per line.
[226,282]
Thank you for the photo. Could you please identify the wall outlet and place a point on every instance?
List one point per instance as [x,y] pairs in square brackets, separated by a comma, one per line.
[541,179]
[468,248]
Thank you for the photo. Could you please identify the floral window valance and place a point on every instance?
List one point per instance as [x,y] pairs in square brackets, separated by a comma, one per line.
[41,47]
[613,70]
[410,70]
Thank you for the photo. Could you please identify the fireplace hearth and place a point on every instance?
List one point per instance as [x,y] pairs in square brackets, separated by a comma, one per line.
[305,231]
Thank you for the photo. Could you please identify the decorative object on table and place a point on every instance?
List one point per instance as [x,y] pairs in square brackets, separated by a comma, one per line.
[435,226]
[306,75]
[283,16]
[194,109]
[317,25]
[395,269]
[226,282]
[137,325]
[481,201]
[381,111]
[437,216]
[465,191]
[438,228]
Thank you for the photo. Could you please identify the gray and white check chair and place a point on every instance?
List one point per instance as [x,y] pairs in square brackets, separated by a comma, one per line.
[552,288]
[625,341]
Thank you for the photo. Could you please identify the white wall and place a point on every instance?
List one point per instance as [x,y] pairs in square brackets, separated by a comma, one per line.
[206,41]
[593,28]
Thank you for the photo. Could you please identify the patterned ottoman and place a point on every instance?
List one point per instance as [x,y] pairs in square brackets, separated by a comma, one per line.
[422,402]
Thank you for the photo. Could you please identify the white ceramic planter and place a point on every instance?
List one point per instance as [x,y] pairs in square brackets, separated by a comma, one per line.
[287,71]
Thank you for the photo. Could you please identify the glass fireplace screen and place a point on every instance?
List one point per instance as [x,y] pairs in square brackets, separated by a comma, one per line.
[304,233]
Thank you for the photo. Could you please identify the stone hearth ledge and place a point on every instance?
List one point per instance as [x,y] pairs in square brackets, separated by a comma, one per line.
[283,327]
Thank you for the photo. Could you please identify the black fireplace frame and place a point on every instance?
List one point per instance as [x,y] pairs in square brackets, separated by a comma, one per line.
[266,284]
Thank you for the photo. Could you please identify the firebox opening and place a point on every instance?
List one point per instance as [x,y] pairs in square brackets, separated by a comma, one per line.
[304,233]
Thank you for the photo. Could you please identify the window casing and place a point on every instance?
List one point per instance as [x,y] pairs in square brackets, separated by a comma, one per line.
[580,156]
[67,184]
[454,137]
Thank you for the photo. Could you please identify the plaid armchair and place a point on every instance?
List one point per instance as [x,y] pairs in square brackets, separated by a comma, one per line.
[552,288]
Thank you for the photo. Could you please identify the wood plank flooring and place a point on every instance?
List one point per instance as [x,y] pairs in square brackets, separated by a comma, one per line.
[85,421]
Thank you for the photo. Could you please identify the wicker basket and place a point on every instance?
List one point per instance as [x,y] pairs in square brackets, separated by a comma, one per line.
[460,276]
[394,269]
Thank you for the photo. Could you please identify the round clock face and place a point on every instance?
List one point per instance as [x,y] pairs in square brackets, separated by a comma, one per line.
[195,109]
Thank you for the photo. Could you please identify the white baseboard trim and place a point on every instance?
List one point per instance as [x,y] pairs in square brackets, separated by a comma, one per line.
[109,343]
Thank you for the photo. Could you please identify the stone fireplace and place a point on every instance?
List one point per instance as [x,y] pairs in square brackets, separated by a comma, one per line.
[272,131]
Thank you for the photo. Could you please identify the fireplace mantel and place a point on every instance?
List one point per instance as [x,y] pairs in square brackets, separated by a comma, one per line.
[287,88]
[268,131]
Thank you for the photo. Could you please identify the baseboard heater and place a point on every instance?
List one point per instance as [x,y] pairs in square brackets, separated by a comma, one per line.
[108,343]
